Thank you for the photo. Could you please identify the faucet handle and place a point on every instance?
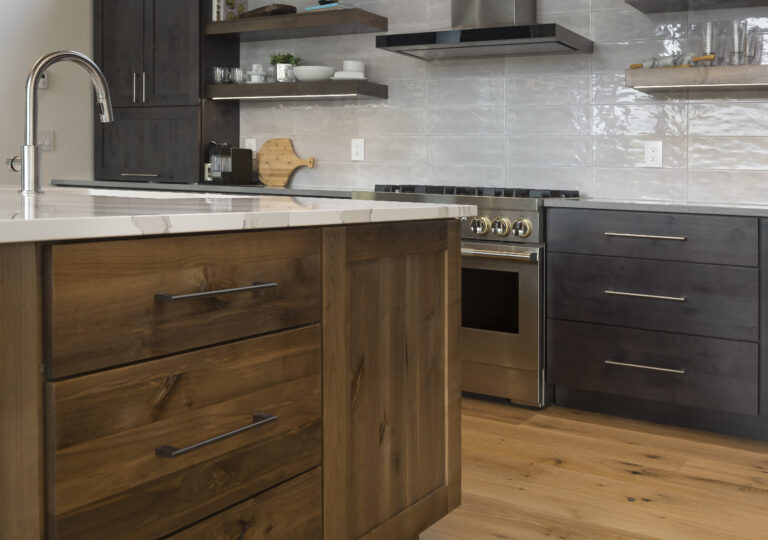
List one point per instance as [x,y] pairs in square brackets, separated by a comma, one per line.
[13,164]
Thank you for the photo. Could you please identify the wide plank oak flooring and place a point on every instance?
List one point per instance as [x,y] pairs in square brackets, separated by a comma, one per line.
[563,473]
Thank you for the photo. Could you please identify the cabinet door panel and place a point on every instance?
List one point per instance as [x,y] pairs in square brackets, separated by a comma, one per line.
[119,45]
[151,144]
[391,379]
[172,53]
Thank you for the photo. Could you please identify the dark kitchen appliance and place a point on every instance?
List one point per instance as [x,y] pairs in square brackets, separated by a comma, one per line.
[228,166]
[502,334]
[488,28]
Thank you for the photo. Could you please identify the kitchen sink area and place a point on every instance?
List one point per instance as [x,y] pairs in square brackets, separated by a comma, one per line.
[384,269]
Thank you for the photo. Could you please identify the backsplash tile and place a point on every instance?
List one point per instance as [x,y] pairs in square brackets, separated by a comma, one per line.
[564,122]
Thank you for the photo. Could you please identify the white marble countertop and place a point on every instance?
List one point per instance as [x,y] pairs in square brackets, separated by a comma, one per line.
[724,209]
[73,213]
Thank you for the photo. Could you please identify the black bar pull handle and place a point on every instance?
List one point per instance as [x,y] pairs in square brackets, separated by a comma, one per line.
[165,297]
[171,452]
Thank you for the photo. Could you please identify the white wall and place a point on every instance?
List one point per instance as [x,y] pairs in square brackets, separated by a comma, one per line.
[29,29]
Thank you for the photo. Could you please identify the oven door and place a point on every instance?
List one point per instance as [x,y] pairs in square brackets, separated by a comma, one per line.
[501,321]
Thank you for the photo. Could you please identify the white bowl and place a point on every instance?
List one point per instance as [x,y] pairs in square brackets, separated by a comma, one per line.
[348,76]
[313,73]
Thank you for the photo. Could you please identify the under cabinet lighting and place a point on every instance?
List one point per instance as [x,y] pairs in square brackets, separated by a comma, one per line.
[303,96]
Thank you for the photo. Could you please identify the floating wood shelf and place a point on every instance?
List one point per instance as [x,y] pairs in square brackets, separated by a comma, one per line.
[320,23]
[307,91]
[659,6]
[703,78]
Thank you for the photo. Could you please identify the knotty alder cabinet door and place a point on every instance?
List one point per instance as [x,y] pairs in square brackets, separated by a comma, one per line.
[391,378]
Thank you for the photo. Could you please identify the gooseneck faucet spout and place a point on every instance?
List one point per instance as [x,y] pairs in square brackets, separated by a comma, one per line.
[30,165]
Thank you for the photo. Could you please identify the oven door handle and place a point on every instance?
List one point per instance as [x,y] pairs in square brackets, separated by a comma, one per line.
[527,257]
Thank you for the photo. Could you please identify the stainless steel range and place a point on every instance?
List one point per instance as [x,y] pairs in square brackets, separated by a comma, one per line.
[502,334]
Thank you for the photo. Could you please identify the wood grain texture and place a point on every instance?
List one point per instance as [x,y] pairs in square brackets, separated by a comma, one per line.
[319,23]
[277,160]
[720,375]
[564,473]
[115,283]
[21,394]
[290,511]
[396,379]
[709,239]
[720,301]
[106,427]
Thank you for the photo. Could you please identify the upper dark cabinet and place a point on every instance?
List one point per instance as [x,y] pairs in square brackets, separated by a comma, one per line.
[149,51]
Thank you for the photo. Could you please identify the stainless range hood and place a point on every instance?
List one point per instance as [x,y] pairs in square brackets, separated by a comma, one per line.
[488,28]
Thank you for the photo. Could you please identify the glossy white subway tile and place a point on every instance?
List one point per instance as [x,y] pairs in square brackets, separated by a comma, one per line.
[549,151]
[578,178]
[609,88]
[631,24]
[645,119]
[734,153]
[395,148]
[466,121]
[641,184]
[448,94]
[467,149]
[466,174]
[549,120]
[547,89]
[737,187]
[728,119]
[373,122]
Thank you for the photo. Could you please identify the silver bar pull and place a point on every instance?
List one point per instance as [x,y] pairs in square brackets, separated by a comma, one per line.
[143,175]
[646,236]
[164,297]
[529,257]
[134,87]
[680,371]
[143,87]
[649,296]
[171,452]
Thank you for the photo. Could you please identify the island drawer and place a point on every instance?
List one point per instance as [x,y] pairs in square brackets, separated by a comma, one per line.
[684,370]
[114,302]
[292,510]
[144,450]
[698,299]
[654,235]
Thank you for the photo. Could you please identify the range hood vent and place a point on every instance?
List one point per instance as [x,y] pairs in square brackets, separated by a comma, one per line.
[488,28]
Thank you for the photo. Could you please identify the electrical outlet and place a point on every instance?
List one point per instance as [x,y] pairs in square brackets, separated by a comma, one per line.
[653,154]
[358,149]
[46,140]
[250,144]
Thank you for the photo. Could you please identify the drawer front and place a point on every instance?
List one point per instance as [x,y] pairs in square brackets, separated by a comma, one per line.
[101,304]
[107,479]
[651,235]
[685,370]
[698,299]
[290,511]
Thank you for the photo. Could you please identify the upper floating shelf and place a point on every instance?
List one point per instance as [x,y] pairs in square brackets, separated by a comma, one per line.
[319,23]
[660,6]
[702,78]
[298,91]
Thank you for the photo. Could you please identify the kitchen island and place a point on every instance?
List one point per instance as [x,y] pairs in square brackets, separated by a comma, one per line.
[227,367]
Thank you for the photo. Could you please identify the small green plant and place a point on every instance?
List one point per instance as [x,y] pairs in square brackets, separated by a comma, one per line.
[284,58]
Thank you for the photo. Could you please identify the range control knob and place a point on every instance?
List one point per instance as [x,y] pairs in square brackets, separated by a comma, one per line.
[480,225]
[501,226]
[522,228]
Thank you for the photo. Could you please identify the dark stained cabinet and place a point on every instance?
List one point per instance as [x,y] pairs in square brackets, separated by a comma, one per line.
[151,54]
[149,51]
[659,316]
[153,144]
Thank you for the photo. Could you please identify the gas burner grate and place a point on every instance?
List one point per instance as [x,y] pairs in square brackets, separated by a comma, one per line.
[521,193]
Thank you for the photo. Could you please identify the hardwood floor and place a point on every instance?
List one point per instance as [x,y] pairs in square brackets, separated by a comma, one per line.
[562,473]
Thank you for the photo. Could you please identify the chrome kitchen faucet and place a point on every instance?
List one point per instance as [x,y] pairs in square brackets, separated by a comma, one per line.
[30,166]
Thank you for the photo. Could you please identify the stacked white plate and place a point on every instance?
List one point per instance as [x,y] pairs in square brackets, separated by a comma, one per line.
[348,76]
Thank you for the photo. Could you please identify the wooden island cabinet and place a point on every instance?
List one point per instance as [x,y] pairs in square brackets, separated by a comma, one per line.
[275,384]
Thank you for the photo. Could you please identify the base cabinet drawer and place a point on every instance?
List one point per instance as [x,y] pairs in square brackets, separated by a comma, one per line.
[685,370]
[697,299]
[290,511]
[115,302]
[654,235]
[144,450]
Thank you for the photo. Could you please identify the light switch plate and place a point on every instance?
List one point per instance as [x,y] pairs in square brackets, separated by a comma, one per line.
[46,139]
[653,154]
[358,149]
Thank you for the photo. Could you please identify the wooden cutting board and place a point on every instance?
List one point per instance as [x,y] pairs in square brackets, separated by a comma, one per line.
[277,160]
